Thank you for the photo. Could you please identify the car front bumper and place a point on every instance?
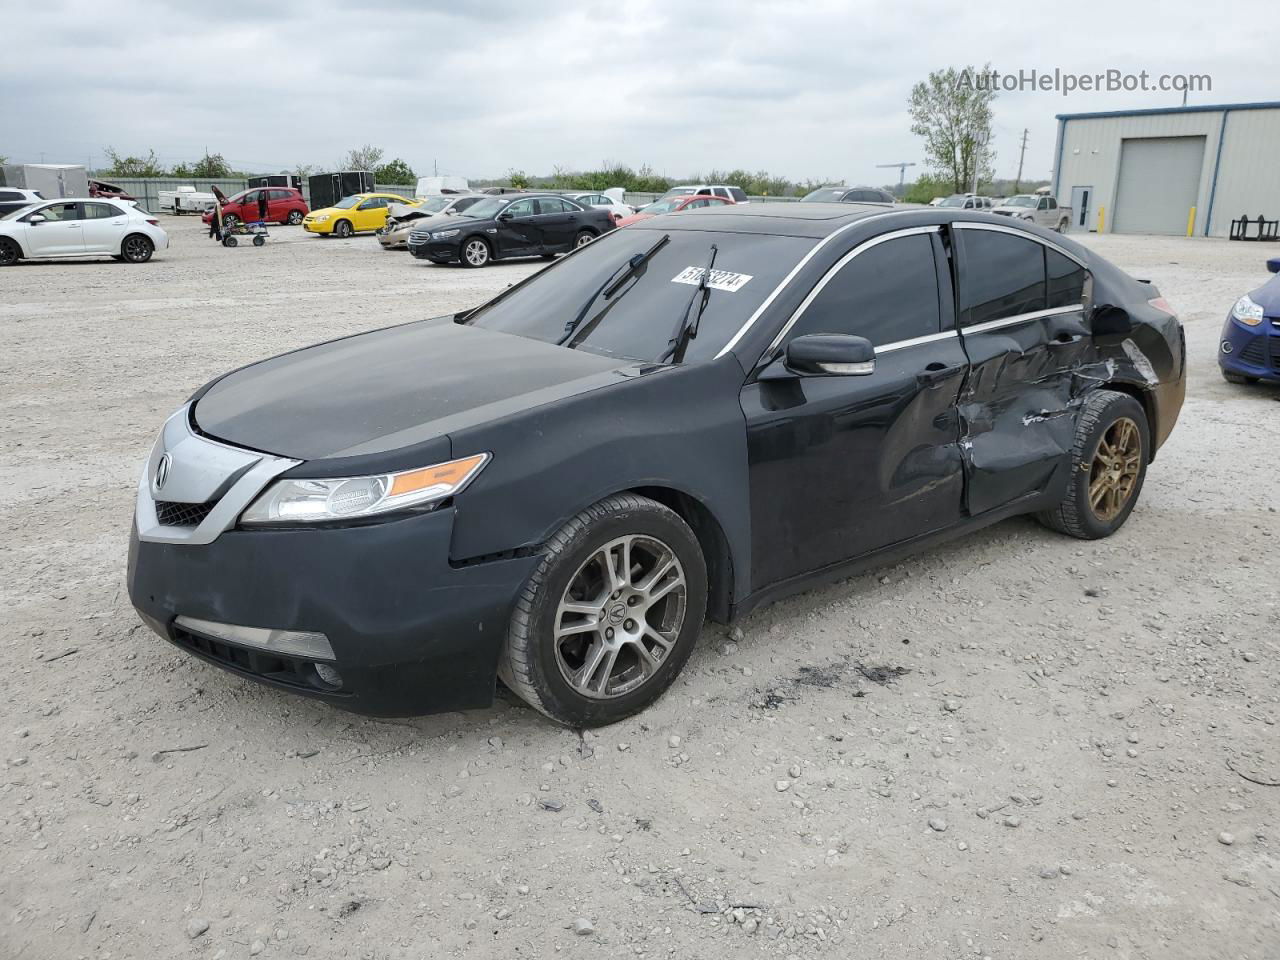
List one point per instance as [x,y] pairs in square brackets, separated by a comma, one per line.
[312,226]
[1251,351]
[441,251]
[411,632]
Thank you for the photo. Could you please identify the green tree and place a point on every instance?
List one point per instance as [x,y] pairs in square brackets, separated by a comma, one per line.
[148,166]
[210,167]
[395,171]
[519,179]
[952,112]
[926,187]
[367,158]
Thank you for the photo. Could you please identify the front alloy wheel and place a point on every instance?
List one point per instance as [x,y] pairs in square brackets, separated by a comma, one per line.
[609,616]
[475,252]
[620,616]
[342,229]
[9,252]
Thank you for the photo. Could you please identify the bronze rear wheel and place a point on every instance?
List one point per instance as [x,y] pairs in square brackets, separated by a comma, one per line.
[1113,475]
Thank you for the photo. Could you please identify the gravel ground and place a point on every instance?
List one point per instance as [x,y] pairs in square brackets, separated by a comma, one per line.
[1016,746]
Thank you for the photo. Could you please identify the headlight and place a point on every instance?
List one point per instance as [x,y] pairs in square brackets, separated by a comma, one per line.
[1247,312]
[444,234]
[344,498]
[319,218]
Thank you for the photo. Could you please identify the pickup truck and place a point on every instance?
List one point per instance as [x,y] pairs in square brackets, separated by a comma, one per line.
[1039,209]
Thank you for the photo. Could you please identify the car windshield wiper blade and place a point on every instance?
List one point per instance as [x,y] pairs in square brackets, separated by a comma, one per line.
[632,268]
[687,328]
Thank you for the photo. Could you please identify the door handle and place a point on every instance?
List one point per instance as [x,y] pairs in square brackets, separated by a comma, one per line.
[935,373]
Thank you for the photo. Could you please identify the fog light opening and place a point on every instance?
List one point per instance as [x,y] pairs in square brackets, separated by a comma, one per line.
[328,675]
[1226,346]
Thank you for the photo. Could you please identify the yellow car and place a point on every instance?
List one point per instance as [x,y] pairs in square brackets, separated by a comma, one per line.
[356,214]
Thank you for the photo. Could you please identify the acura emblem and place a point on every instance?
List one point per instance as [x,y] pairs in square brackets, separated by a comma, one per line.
[162,471]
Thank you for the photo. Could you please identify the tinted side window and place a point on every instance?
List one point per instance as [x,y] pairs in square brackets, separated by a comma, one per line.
[100,211]
[1003,276]
[10,195]
[738,194]
[1066,279]
[521,208]
[60,211]
[464,203]
[374,203]
[887,293]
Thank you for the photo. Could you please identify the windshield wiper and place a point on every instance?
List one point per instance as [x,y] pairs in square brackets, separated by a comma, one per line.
[632,268]
[687,328]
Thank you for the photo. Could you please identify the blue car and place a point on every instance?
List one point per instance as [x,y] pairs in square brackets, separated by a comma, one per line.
[1250,348]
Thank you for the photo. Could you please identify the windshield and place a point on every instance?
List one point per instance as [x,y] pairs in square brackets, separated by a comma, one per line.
[662,206]
[643,312]
[346,203]
[1019,202]
[483,209]
[954,201]
[434,205]
[825,195]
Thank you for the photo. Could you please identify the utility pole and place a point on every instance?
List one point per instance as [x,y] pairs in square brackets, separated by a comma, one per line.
[1017,183]
[902,173]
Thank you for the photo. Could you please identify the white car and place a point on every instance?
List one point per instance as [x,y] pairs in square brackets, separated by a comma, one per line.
[80,228]
[13,199]
[610,200]
[723,190]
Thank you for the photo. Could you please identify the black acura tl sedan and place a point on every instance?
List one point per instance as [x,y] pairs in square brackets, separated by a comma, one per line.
[684,419]
[514,225]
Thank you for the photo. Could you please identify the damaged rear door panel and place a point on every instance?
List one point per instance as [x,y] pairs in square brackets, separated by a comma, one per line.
[1022,318]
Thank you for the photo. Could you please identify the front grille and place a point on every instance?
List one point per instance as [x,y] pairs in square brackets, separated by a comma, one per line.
[291,671]
[1002,213]
[173,514]
[419,237]
[1254,352]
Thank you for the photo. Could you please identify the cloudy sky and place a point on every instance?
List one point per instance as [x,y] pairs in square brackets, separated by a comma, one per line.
[806,90]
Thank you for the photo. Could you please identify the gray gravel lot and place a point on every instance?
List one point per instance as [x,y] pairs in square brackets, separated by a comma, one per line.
[1016,746]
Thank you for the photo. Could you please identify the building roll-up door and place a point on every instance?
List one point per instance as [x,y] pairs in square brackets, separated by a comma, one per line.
[1159,184]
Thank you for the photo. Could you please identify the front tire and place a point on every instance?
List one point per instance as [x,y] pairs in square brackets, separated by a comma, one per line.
[342,229]
[476,253]
[137,248]
[1108,466]
[10,252]
[610,615]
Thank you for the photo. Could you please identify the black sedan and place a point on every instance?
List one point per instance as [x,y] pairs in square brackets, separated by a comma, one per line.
[515,225]
[687,418]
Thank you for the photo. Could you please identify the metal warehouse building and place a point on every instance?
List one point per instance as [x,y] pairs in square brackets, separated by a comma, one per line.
[1176,170]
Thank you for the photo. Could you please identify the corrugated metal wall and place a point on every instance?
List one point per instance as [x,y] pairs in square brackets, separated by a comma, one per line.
[1248,175]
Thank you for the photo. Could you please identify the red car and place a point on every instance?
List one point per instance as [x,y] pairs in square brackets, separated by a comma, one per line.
[674,205]
[284,205]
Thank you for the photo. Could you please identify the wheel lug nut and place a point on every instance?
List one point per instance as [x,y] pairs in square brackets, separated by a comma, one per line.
[632,601]
[630,625]
[608,634]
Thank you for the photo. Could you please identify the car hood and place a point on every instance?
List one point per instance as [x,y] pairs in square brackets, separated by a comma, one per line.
[430,222]
[392,389]
[1267,297]
[329,211]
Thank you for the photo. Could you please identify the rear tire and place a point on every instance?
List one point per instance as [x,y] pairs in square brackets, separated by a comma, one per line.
[342,229]
[10,252]
[136,248]
[1238,378]
[230,220]
[583,238]
[294,218]
[1108,466]
[1062,225]
[622,650]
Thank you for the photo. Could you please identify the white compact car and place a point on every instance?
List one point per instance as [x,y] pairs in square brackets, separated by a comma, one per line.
[610,200]
[80,228]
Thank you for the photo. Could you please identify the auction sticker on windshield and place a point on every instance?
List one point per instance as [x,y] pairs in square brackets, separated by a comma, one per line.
[720,279]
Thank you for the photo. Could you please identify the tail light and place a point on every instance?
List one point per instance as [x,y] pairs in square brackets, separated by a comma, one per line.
[1160,303]
[154,223]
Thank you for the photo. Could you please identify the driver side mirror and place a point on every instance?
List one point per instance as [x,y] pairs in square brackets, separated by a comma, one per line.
[505,216]
[36,218]
[824,355]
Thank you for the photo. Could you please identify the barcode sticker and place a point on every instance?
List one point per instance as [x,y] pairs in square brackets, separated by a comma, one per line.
[720,279]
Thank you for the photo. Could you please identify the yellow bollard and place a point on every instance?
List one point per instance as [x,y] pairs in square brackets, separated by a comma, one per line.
[1191,222]
[1102,217]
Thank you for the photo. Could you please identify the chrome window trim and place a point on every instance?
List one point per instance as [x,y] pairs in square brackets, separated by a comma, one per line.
[840,265]
[1020,318]
[916,341]
[1013,231]
[791,275]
